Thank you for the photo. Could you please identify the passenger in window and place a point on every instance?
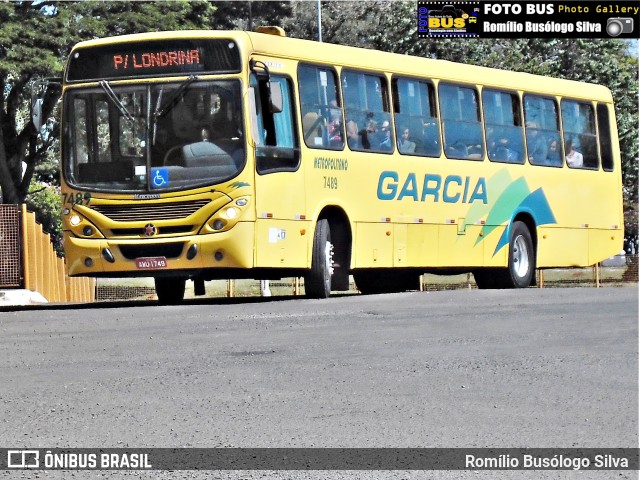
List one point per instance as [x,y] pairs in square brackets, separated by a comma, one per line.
[353,138]
[553,153]
[503,152]
[536,144]
[431,139]
[334,127]
[368,134]
[386,144]
[405,145]
[574,158]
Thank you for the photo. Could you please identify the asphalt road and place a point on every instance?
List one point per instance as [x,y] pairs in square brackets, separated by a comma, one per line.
[527,368]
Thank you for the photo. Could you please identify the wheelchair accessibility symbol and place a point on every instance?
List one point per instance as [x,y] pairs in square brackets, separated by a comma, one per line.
[159,177]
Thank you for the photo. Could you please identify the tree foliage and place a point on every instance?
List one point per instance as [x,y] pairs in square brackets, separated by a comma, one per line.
[35,38]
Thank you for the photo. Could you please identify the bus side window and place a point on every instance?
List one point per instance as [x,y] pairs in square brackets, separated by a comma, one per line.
[277,148]
[367,112]
[461,124]
[579,130]
[544,144]
[503,126]
[417,126]
[322,124]
[604,135]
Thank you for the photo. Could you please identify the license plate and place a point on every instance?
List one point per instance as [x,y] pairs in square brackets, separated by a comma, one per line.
[151,263]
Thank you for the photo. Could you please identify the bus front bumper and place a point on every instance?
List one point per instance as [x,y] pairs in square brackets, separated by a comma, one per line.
[159,256]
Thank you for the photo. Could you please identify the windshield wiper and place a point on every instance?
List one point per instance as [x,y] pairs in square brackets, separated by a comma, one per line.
[163,108]
[173,98]
[116,101]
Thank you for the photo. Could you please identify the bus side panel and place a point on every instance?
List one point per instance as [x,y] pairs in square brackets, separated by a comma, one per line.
[457,245]
[422,245]
[604,242]
[400,254]
[282,243]
[490,241]
[373,247]
[562,247]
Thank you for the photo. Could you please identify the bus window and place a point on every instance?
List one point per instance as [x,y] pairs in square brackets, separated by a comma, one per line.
[103,132]
[277,148]
[604,135]
[579,130]
[544,146]
[321,113]
[503,126]
[81,150]
[367,113]
[133,131]
[416,118]
[461,124]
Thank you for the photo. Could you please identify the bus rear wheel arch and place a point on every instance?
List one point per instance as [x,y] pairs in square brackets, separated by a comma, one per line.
[520,271]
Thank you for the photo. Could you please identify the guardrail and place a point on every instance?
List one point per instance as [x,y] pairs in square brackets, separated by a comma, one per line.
[28,260]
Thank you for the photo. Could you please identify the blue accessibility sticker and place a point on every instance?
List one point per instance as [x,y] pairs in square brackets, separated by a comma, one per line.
[159,177]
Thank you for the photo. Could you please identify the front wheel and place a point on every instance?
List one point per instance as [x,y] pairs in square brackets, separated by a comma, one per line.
[170,290]
[317,283]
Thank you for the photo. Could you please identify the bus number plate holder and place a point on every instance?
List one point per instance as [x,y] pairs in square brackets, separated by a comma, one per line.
[151,263]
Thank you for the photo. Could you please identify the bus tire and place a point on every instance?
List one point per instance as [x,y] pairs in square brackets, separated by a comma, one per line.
[317,282]
[170,290]
[521,266]
[522,257]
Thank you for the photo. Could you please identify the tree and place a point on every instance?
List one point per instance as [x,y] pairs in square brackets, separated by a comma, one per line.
[26,56]
[247,15]
[344,23]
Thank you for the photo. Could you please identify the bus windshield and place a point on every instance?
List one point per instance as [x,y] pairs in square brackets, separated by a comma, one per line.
[141,138]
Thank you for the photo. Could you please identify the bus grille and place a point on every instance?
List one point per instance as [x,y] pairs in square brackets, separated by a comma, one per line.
[150,212]
[168,250]
[139,232]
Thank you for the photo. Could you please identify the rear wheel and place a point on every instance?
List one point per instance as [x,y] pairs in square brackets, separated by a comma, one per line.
[170,290]
[317,283]
[521,267]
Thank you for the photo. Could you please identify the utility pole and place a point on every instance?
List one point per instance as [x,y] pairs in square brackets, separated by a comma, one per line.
[319,21]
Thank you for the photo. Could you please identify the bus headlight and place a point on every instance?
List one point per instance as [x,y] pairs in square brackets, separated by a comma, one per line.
[231,213]
[81,227]
[225,218]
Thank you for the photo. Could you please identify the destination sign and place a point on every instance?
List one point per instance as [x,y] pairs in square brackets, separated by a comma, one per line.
[153,58]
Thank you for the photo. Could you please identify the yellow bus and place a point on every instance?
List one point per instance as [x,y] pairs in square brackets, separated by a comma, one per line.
[203,155]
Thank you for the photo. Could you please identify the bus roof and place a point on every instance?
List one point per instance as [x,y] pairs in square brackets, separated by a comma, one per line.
[355,57]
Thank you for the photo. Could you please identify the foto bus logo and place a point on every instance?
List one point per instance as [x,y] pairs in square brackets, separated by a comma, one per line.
[437,19]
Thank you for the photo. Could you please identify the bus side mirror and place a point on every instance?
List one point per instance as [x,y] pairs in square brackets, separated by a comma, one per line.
[36,113]
[275,94]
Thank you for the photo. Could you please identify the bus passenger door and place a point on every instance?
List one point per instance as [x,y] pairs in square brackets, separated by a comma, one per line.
[280,203]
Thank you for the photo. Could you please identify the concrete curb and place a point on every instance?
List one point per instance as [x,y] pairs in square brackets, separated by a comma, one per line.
[20,297]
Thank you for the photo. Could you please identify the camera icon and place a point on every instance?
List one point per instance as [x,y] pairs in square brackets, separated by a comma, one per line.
[616,26]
